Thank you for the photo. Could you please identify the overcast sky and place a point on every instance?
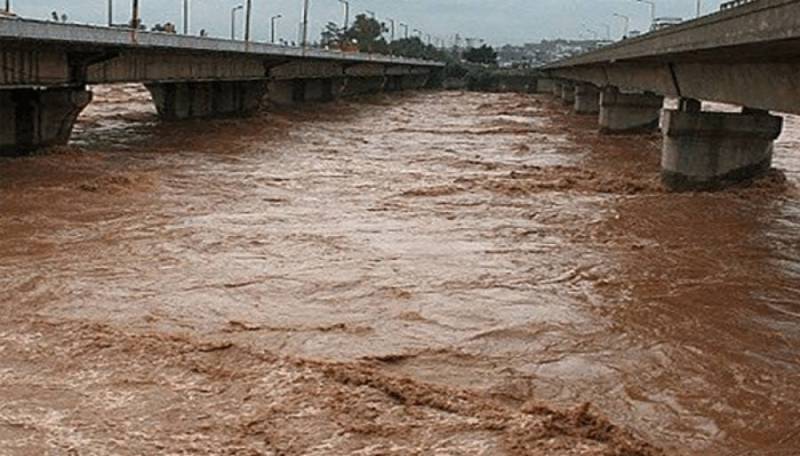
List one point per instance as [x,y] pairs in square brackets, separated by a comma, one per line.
[497,21]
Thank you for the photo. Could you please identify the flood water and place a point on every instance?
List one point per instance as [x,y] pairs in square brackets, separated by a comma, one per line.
[491,242]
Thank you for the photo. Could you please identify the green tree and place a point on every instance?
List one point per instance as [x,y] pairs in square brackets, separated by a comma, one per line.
[332,35]
[367,34]
[484,55]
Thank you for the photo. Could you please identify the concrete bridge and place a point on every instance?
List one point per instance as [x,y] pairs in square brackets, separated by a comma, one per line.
[47,66]
[747,55]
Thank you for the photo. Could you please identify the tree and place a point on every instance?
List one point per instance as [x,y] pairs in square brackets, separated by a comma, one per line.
[484,55]
[331,36]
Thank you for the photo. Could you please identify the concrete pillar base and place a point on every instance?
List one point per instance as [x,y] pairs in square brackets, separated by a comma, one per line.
[414,81]
[568,94]
[711,150]
[31,119]
[354,86]
[292,91]
[557,89]
[545,85]
[629,112]
[192,100]
[587,99]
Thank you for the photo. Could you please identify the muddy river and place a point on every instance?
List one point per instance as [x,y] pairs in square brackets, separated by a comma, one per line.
[429,273]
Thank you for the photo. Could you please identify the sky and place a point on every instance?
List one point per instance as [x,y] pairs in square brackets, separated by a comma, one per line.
[496,21]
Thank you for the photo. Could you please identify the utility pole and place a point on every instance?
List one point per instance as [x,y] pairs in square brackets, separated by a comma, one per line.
[110,11]
[304,41]
[185,17]
[346,13]
[233,20]
[8,6]
[272,26]
[247,13]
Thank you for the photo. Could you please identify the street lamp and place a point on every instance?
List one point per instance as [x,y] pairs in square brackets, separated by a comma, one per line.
[247,14]
[185,17]
[272,26]
[135,15]
[233,20]
[391,21]
[110,11]
[627,21]
[304,41]
[652,10]
[608,31]
[405,27]
[8,6]
[346,13]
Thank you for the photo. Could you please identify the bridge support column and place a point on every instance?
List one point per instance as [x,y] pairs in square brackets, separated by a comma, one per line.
[545,85]
[414,81]
[189,100]
[354,86]
[557,88]
[568,93]
[31,119]
[708,150]
[629,112]
[587,99]
[292,91]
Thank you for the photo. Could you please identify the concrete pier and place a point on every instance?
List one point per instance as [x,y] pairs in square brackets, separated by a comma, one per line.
[33,118]
[557,88]
[709,150]
[629,112]
[568,93]
[193,100]
[363,86]
[545,85]
[587,99]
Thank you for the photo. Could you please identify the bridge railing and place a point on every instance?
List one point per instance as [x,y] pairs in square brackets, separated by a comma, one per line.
[734,4]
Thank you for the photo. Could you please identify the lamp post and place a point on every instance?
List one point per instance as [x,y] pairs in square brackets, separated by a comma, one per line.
[405,27]
[391,21]
[110,11]
[135,15]
[627,21]
[699,7]
[247,14]
[185,17]
[346,13]
[304,41]
[8,6]
[608,31]
[652,10]
[233,20]
[272,26]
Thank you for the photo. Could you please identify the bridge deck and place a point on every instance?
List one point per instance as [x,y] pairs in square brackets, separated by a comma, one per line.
[758,31]
[94,37]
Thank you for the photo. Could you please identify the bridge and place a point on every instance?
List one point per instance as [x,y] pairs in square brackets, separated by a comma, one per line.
[47,66]
[748,54]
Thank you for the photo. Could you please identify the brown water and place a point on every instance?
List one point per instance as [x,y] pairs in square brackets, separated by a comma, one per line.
[480,244]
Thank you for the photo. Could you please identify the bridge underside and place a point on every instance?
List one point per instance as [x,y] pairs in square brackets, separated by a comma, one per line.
[702,150]
[44,89]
